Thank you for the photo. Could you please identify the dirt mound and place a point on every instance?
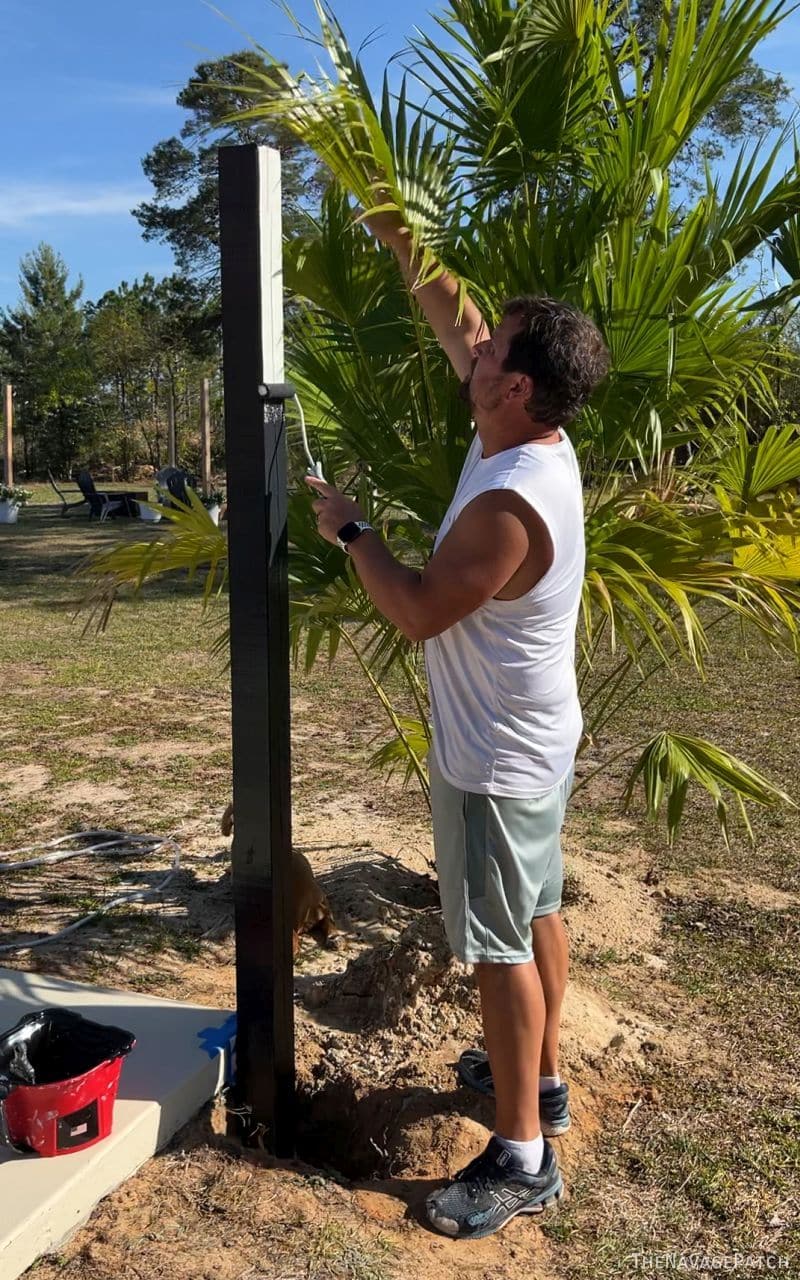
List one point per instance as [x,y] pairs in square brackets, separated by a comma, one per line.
[378,1092]
[396,1015]
[602,1036]
[411,984]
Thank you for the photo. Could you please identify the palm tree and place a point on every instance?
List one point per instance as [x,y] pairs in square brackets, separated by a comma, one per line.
[539,161]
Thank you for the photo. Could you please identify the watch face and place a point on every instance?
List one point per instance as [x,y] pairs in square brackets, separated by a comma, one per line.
[347,531]
[350,531]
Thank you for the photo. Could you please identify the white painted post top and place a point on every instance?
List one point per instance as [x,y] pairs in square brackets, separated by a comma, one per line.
[271,241]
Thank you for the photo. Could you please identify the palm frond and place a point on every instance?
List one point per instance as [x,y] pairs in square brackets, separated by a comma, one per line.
[402,752]
[382,160]
[517,87]
[690,70]
[671,761]
[748,471]
[193,542]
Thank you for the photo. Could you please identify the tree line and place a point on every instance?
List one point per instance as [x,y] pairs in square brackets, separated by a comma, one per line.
[94,381]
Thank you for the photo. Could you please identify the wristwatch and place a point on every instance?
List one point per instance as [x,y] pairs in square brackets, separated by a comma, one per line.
[350,531]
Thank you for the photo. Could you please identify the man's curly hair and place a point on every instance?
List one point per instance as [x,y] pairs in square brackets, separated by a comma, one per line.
[562,350]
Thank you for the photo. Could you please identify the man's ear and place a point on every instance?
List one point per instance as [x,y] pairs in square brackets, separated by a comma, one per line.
[520,388]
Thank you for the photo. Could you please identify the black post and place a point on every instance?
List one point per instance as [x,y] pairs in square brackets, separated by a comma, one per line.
[249,208]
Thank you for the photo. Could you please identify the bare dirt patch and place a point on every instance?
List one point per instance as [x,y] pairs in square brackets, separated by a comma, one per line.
[726,888]
[146,753]
[24,675]
[88,795]
[380,1024]
[24,781]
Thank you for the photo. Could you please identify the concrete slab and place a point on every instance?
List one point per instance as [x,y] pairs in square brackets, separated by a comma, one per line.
[167,1077]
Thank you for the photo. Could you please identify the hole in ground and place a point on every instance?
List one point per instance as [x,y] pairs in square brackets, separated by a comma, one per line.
[392,1131]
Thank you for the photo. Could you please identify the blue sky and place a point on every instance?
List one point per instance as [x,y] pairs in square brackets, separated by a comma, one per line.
[88,87]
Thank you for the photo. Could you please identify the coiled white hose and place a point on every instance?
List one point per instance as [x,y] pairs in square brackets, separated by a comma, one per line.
[108,841]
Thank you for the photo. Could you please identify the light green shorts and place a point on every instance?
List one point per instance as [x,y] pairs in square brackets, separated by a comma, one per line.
[498,859]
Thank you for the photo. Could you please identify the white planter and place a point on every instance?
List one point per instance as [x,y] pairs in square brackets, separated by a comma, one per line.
[148,513]
[214,512]
[9,512]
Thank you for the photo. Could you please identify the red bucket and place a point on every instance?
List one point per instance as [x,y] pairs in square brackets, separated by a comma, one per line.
[59,1073]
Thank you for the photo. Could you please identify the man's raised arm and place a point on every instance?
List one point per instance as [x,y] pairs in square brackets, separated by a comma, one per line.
[439,299]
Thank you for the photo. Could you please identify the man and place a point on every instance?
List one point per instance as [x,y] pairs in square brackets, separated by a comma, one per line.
[497,608]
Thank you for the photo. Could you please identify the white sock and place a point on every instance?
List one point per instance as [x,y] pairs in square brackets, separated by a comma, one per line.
[528,1154]
[549,1082]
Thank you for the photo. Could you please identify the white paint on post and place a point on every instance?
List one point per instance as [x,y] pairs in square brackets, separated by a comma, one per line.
[8,435]
[271,254]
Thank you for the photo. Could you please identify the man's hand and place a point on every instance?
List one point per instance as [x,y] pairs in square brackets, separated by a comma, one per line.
[333,509]
[438,298]
[389,228]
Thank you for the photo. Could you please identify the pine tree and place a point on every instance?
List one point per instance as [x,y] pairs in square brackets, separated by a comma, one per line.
[183,170]
[43,352]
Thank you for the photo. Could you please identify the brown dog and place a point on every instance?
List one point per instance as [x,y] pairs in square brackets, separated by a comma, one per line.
[311,912]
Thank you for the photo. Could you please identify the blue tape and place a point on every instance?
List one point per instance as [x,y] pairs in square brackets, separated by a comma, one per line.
[222,1039]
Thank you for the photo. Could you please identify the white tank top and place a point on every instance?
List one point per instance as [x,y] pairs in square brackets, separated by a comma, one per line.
[504,698]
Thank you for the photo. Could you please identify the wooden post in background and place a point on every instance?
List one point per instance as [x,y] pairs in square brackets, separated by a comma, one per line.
[8,436]
[172,451]
[255,442]
[205,435]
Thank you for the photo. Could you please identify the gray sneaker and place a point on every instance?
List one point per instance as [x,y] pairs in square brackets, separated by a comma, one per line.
[475,1071]
[492,1189]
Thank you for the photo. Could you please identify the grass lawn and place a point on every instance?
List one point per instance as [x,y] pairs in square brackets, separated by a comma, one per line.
[685,1142]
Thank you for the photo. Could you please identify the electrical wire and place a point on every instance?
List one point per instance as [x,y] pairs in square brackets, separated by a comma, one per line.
[108,842]
[316,467]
